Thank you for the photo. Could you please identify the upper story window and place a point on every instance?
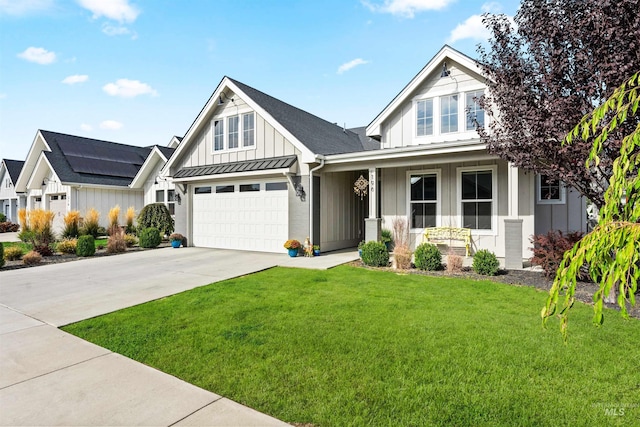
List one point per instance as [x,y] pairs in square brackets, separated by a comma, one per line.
[424,117]
[218,135]
[550,191]
[159,196]
[475,113]
[233,123]
[248,130]
[449,113]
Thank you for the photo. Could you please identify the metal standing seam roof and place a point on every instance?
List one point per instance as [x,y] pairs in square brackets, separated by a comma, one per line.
[233,167]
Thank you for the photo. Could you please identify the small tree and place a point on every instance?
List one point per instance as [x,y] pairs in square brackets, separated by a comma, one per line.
[156,215]
[612,249]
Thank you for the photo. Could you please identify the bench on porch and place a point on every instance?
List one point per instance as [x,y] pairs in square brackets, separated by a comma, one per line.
[446,234]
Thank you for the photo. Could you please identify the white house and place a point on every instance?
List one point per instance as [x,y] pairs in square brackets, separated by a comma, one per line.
[253,171]
[66,172]
[10,202]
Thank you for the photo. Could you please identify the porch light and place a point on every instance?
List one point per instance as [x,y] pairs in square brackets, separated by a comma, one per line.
[445,72]
[177,198]
[222,101]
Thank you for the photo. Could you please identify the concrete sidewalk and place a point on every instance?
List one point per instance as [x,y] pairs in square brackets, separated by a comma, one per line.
[48,377]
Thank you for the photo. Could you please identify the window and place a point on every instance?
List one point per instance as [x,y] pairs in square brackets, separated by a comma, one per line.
[276,186]
[449,114]
[218,135]
[171,201]
[477,199]
[550,191]
[54,197]
[160,196]
[248,133]
[423,203]
[424,117]
[474,111]
[233,123]
[202,190]
[63,197]
[224,189]
[249,187]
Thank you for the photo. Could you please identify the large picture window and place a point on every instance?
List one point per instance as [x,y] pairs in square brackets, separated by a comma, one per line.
[449,114]
[423,195]
[424,117]
[477,199]
[475,113]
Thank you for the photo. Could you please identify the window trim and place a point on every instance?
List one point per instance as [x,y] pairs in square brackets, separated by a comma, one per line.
[562,190]
[433,124]
[438,174]
[457,114]
[214,134]
[466,113]
[494,197]
[244,131]
[224,118]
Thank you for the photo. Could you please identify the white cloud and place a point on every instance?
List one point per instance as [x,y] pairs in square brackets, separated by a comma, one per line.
[38,55]
[77,78]
[407,8]
[23,7]
[110,30]
[492,7]
[117,10]
[472,28]
[111,125]
[351,64]
[87,128]
[126,88]
[3,96]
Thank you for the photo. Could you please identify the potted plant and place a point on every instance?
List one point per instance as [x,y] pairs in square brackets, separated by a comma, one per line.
[292,246]
[316,250]
[176,240]
[385,237]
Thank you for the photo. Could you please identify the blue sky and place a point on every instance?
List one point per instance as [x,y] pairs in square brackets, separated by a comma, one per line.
[139,71]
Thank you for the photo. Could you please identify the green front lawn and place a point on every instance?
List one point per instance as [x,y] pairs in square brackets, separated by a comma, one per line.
[26,247]
[351,346]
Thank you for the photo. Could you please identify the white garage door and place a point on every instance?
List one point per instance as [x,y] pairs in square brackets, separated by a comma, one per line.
[247,216]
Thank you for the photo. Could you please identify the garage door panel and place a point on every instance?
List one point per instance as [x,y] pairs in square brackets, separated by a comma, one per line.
[254,220]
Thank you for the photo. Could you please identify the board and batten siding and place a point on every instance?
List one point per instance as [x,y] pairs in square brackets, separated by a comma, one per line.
[343,213]
[394,201]
[565,217]
[400,129]
[269,142]
[103,200]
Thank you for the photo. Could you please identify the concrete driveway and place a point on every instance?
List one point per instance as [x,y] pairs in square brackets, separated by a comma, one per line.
[48,377]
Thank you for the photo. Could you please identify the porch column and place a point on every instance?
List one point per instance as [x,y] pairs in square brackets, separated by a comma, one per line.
[513,224]
[373,225]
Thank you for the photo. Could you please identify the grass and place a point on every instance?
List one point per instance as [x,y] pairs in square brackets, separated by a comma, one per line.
[357,347]
[26,247]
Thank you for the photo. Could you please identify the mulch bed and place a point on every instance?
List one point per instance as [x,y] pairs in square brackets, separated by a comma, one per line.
[531,278]
[58,258]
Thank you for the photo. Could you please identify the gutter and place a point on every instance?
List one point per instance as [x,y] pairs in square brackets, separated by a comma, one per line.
[320,166]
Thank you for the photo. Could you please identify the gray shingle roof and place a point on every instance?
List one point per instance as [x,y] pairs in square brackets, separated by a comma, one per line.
[318,135]
[14,167]
[167,151]
[231,167]
[91,161]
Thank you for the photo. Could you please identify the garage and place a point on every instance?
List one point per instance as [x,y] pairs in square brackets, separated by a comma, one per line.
[251,216]
[58,205]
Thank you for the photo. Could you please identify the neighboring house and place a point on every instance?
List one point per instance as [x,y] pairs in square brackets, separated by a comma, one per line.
[66,172]
[253,171]
[10,202]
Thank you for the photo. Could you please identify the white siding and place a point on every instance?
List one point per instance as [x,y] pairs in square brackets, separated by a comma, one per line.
[105,199]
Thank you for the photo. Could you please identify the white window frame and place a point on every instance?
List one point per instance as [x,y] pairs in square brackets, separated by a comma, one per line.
[215,135]
[239,113]
[474,94]
[562,191]
[246,130]
[433,125]
[437,173]
[455,110]
[494,197]
[233,132]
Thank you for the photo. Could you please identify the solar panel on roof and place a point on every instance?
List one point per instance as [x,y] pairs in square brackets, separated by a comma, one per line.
[102,167]
[100,151]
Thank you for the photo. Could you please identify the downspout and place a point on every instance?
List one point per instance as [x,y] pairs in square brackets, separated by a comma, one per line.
[320,166]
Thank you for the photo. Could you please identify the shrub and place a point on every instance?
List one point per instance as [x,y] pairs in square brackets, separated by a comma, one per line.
[156,215]
[91,223]
[149,237]
[67,246]
[1,254]
[8,227]
[3,217]
[386,237]
[32,258]
[130,240]
[375,254]
[292,244]
[116,242]
[428,257]
[114,214]
[548,249]
[37,230]
[131,215]
[86,245]
[485,263]
[13,253]
[71,224]
[402,255]
[454,262]
[23,219]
